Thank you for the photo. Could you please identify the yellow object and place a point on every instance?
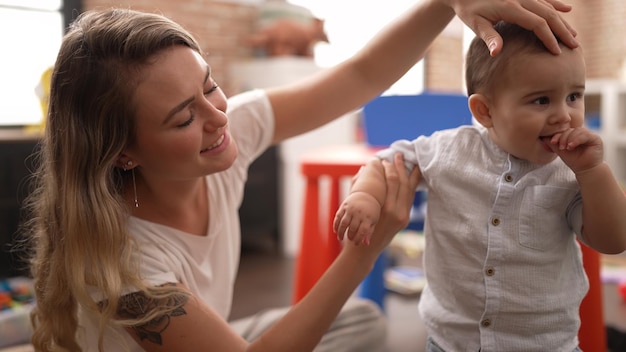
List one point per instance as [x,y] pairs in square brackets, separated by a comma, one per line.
[43,92]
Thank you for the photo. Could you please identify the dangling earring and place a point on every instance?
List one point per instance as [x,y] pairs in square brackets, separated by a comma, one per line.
[129,163]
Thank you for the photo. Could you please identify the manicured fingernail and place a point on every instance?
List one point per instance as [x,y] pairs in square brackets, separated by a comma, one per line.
[492,47]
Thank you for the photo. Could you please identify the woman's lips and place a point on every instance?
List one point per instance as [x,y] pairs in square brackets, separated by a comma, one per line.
[221,143]
[217,143]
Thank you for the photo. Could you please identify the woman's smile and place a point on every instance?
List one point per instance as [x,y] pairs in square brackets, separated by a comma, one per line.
[222,142]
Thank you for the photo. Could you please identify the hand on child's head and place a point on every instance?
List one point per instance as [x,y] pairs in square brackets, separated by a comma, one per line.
[542,17]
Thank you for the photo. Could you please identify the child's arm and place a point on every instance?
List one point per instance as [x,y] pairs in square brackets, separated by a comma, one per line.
[358,214]
[604,202]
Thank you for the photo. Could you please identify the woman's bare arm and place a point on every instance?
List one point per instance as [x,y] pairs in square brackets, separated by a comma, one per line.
[196,327]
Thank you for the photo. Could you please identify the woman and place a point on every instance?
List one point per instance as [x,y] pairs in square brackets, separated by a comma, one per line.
[143,164]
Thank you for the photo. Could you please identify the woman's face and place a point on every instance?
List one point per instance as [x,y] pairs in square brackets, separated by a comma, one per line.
[182,127]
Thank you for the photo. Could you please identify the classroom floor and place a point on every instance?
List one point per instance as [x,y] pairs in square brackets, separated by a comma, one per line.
[265,281]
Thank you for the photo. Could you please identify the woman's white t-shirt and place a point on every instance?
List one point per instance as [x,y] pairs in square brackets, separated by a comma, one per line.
[206,265]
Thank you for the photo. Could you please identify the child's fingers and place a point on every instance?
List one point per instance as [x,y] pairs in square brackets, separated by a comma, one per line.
[364,233]
[340,225]
[353,228]
[581,136]
[573,138]
[337,220]
[560,139]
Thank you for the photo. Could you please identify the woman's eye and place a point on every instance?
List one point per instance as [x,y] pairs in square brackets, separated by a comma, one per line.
[212,89]
[186,123]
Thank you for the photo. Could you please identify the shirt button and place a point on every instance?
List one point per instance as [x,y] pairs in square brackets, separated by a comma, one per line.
[495,221]
[508,178]
[490,271]
[485,323]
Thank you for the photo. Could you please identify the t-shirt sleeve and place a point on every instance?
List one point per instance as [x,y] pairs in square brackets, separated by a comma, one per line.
[423,152]
[251,123]
[403,146]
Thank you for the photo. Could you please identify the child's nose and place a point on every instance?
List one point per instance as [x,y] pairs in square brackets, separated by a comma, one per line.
[561,114]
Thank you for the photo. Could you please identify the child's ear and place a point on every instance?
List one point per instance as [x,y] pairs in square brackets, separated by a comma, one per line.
[479,106]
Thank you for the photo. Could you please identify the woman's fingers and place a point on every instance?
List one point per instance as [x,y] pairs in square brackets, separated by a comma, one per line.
[540,16]
[400,193]
[549,23]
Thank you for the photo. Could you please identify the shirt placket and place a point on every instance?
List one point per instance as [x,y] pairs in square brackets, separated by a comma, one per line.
[496,236]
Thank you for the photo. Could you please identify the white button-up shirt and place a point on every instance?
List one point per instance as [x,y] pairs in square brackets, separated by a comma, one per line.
[503,267]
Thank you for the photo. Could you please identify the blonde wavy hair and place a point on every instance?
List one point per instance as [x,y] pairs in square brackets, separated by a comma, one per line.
[77,229]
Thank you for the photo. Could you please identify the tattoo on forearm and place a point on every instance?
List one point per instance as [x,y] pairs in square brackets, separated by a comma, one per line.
[136,304]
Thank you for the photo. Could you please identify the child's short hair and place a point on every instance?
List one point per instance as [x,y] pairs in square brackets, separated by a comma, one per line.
[481,70]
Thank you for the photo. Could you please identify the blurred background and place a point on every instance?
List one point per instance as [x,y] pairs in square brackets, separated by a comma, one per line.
[257,44]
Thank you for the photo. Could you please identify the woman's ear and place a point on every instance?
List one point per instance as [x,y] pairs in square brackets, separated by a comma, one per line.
[124,162]
[479,106]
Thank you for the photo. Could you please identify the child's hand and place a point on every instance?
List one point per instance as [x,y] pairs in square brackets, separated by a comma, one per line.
[579,148]
[357,216]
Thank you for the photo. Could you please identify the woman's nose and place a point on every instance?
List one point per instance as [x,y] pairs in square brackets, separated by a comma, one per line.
[213,110]
[215,120]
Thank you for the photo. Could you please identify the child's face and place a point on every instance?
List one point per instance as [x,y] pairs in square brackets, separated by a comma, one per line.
[540,94]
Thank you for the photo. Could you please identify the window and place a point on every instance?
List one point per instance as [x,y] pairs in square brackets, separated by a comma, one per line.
[31,32]
[350,24]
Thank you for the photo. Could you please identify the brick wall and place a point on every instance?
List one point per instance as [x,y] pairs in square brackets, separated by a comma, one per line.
[601,27]
[220,27]
[443,65]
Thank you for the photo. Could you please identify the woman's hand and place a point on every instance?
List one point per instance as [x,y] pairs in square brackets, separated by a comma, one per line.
[543,17]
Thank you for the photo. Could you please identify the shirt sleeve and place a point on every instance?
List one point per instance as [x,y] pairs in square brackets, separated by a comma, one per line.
[251,122]
[575,216]
[403,146]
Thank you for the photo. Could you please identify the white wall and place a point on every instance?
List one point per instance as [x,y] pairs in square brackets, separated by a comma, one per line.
[27,52]
[350,24]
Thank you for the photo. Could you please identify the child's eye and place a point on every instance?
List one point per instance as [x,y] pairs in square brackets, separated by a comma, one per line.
[574,96]
[541,101]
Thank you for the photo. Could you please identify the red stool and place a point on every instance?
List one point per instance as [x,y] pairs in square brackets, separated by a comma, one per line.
[592,333]
[318,243]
